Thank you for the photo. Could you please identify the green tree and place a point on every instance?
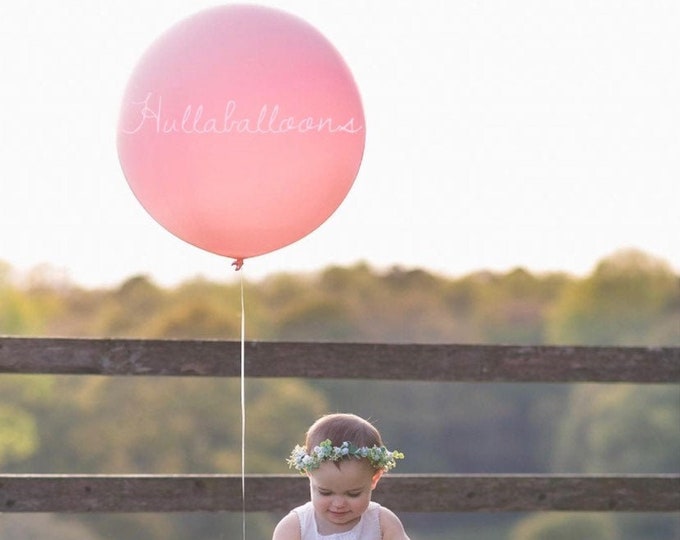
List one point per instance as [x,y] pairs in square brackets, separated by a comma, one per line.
[512,308]
[551,526]
[620,429]
[166,425]
[126,311]
[17,314]
[630,299]
[317,318]
[42,526]
[19,433]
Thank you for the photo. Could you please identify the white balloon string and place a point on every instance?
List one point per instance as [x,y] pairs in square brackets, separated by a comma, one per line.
[243,408]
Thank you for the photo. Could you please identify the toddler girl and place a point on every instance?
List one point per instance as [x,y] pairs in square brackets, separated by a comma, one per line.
[344,458]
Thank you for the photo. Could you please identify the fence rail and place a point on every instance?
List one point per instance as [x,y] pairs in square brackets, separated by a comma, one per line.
[401,492]
[469,363]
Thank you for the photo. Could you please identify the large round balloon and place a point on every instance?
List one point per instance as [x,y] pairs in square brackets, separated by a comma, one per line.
[241,130]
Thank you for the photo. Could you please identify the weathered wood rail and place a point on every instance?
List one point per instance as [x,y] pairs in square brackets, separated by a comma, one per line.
[401,492]
[471,363]
[271,493]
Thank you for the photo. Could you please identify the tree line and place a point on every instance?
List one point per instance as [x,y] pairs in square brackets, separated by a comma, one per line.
[148,425]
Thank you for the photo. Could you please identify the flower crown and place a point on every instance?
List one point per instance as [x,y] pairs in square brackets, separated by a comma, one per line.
[379,456]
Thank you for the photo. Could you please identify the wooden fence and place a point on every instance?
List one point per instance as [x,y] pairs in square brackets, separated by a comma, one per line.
[401,492]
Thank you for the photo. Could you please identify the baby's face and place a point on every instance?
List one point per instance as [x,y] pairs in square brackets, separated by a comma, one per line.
[340,495]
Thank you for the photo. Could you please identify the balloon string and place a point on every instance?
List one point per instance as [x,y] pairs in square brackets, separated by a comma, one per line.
[238,264]
[243,406]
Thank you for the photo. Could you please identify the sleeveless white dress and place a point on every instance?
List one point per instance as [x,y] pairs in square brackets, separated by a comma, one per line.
[368,527]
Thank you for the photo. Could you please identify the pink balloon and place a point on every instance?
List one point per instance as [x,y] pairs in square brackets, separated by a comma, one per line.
[241,130]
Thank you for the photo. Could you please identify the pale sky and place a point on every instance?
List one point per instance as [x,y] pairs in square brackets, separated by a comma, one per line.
[543,134]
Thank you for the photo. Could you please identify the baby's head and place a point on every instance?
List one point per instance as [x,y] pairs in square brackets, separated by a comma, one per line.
[337,437]
[339,428]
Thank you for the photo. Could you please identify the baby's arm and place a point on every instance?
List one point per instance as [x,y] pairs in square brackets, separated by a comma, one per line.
[288,528]
[391,526]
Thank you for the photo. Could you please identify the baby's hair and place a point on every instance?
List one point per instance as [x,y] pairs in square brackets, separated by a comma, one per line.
[341,428]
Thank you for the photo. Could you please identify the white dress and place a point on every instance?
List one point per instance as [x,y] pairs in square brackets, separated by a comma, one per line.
[368,527]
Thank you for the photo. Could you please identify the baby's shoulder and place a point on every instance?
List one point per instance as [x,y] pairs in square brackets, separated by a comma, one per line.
[391,526]
[288,528]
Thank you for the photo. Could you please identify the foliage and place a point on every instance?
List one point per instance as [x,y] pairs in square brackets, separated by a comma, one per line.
[167,425]
[600,526]
[630,299]
[550,526]
[20,399]
[18,437]
[622,429]
[42,526]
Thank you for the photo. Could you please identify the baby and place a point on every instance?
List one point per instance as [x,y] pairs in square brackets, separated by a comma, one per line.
[344,458]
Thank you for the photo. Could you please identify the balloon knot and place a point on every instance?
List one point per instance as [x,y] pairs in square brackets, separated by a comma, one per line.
[237,264]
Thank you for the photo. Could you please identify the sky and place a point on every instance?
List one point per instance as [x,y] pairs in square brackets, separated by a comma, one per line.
[499,134]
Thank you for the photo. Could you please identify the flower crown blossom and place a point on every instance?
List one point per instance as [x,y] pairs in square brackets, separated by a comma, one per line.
[378,456]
